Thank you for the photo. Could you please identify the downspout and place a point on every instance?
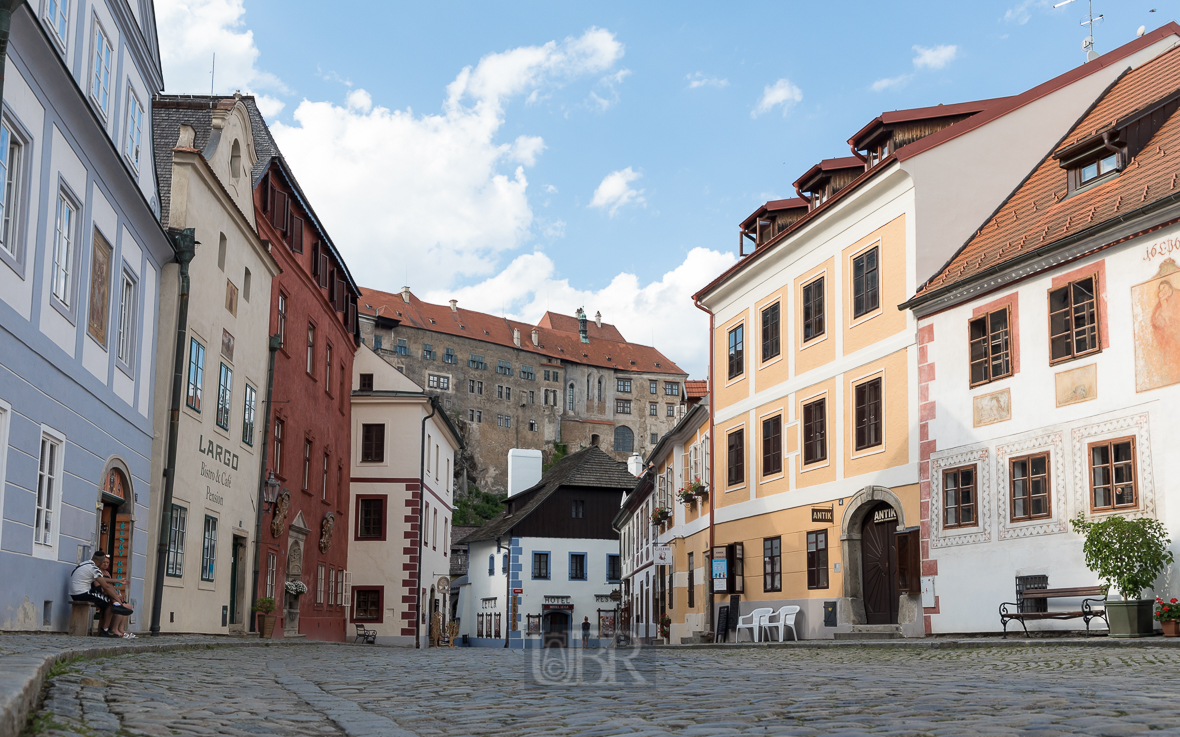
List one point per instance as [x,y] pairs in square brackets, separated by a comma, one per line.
[712,486]
[275,343]
[184,244]
[421,521]
[507,587]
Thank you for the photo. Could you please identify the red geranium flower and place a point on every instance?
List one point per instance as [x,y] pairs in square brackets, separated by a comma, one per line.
[1173,601]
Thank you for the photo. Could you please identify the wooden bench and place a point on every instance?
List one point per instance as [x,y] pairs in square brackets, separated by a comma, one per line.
[81,615]
[1088,594]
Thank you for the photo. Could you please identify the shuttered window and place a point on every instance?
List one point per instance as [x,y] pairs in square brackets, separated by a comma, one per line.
[736,457]
[1073,320]
[815,440]
[868,414]
[296,234]
[991,355]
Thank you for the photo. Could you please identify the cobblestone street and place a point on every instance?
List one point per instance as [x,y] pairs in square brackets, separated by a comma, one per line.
[339,689]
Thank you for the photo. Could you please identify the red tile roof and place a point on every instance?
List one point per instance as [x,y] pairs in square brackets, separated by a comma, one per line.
[556,339]
[1002,107]
[1038,214]
[696,388]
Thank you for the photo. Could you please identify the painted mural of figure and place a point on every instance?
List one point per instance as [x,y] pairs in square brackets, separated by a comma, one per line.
[1165,327]
[1157,328]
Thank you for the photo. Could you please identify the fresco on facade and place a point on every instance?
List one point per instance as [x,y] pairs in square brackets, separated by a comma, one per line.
[1156,314]
[992,408]
[1077,385]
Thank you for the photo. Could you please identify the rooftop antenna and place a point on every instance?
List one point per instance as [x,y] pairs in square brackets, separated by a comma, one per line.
[212,71]
[1088,41]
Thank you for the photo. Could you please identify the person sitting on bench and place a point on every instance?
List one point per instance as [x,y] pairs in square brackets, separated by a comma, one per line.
[87,584]
[118,621]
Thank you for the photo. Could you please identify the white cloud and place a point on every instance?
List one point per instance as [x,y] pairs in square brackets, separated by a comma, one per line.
[616,191]
[936,57]
[662,309]
[698,79]
[780,94]
[890,82]
[550,189]
[360,100]
[435,197]
[192,31]
[1022,12]
[555,229]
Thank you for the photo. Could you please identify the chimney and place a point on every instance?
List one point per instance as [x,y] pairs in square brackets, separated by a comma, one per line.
[516,336]
[454,305]
[598,319]
[524,470]
[582,325]
[536,337]
[406,295]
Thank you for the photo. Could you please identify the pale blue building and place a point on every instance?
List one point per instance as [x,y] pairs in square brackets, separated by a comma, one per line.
[81,249]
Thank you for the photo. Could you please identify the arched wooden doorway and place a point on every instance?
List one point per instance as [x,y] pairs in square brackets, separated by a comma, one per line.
[117,502]
[878,551]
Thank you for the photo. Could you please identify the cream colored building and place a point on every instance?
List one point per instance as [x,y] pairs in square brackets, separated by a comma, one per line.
[818,496]
[204,153]
[402,484]
[677,588]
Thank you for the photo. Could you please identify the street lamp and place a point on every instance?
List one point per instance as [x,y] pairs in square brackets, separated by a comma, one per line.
[270,492]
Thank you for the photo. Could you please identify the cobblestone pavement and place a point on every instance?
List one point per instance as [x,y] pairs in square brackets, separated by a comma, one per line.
[321,689]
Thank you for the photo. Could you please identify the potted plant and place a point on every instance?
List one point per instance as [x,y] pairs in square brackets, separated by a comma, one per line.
[266,607]
[659,514]
[699,489]
[1167,613]
[665,627]
[296,588]
[686,495]
[1128,555]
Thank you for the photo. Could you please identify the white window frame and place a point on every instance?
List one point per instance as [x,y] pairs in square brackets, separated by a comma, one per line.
[125,337]
[48,549]
[58,18]
[101,72]
[272,564]
[132,147]
[13,184]
[65,251]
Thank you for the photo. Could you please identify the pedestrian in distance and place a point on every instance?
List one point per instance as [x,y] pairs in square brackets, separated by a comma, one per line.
[585,632]
[88,584]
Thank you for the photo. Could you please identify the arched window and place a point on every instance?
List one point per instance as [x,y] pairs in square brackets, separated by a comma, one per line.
[491,565]
[624,439]
[504,564]
[235,160]
[569,400]
[600,388]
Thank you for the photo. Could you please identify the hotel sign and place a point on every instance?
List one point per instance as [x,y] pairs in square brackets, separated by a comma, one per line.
[822,515]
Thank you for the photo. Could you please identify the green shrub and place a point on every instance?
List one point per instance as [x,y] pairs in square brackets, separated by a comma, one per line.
[1127,554]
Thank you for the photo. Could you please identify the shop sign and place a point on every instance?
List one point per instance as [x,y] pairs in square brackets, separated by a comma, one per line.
[821,515]
[662,555]
[565,607]
[721,568]
[518,591]
[888,514]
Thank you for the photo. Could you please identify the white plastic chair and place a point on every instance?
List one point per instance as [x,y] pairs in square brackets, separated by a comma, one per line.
[752,622]
[782,619]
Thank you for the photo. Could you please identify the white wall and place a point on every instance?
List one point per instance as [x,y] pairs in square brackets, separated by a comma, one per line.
[977,566]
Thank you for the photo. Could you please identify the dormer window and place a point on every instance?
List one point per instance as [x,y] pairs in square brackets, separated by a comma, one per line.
[878,153]
[1099,168]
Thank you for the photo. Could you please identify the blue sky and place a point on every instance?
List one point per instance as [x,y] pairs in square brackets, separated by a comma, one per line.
[594,154]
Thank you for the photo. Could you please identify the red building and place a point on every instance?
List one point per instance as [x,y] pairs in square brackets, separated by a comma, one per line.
[313,312]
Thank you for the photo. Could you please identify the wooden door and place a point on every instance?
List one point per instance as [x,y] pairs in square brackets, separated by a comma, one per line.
[879,565]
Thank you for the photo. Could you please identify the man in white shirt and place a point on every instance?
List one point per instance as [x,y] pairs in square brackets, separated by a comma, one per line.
[87,584]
